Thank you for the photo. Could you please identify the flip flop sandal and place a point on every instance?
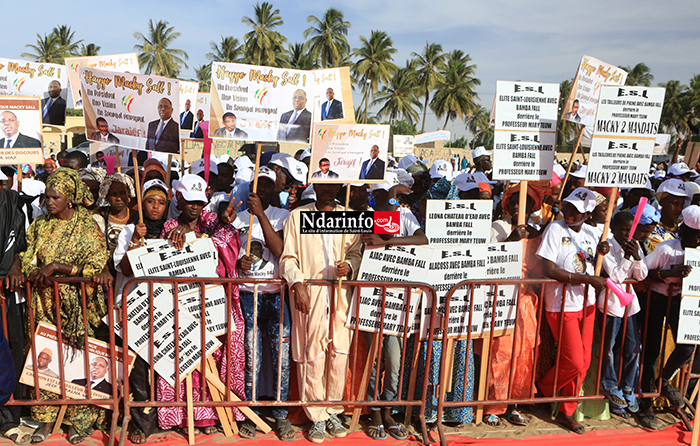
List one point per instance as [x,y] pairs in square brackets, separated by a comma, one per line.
[577,428]
[377,432]
[18,435]
[515,418]
[398,431]
[632,403]
[620,412]
[616,398]
[247,430]
[493,420]
[285,430]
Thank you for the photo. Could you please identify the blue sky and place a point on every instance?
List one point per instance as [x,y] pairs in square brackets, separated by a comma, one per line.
[534,40]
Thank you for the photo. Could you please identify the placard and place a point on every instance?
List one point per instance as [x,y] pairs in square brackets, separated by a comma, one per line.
[624,136]
[71,367]
[580,106]
[128,63]
[196,259]
[333,96]
[689,321]
[526,130]
[132,110]
[188,92]
[346,153]
[24,78]
[691,284]
[20,117]
[457,222]
[403,145]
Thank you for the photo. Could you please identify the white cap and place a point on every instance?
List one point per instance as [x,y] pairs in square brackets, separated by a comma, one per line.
[559,170]
[441,168]
[673,186]
[691,217]
[266,172]
[198,167]
[404,177]
[3,177]
[193,188]
[305,154]
[583,199]
[480,151]
[407,161]
[162,157]
[390,180]
[678,169]
[296,169]
[309,193]
[581,172]
[242,162]
[659,174]
[223,158]
[693,188]
[32,188]
[465,182]
[243,176]
[153,183]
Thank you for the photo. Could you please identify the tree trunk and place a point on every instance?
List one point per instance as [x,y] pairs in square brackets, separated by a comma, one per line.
[425,110]
[447,118]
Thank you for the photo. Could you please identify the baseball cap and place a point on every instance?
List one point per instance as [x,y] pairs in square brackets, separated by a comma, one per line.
[242,162]
[691,217]
[465,182]
[480,151]
[581,172]
[294,169]
[198,167]
[559,170]
[153,183]
[266,172]
[192,187]
[390,180]
[650,216]
[678,169]
[659,174]
[305,154]
[441,168]
[407,161]
[583,199]
[673,186]
[404,177]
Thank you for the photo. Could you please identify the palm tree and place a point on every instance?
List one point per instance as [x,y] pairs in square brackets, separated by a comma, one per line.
[478,125]
[264,45]
[430,63]
[65,36]
[400,97]
[639,75]
[566,130]
[229,50]
[674,113]
[89,50]
[46,50]
[299,57]
[203,73]
[374,64]
[155,54]
[329,42]
[455,90]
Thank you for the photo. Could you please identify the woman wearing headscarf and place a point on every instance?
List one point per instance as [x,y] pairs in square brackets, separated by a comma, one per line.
[191,198]
[93,178]
[49,167]
[117,189]
[65,242]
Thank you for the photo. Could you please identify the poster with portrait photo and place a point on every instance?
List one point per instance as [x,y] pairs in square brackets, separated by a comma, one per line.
[20,118]
[46,80]
[204,104]
[67,365]
[348,153]
[188,106]
[125,63]
[131,110]
[333,96]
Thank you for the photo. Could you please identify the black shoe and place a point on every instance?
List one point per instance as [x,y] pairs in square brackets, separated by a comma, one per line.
[672,395]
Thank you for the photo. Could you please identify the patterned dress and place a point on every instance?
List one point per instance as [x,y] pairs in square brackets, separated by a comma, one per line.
[225,238]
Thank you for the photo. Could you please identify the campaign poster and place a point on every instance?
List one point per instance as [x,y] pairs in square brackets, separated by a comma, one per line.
[128,63]
[526,130]
[624,135]
[188,105]
[204,104]
[455,222]
[348,153]
[68,365]
[333,96]
[131,110]
[580,106]
[691,283]
[46,80]
[403,145]
[20,117]
[424,138]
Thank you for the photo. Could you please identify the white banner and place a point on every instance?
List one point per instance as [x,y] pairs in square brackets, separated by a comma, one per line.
[128,63]
[423,138]
[457,222]
[526,130]
[624,136]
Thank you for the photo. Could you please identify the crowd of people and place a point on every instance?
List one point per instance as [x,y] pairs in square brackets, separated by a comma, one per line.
[72,219]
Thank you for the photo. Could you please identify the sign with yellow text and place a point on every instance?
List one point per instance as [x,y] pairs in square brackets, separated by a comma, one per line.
[333,96]
[46,80]
[346,153]
[20,117]
[132,110]
[128,63]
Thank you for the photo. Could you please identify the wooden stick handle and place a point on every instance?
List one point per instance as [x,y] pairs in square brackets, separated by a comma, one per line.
[522,203]
[137,184]
[255,190]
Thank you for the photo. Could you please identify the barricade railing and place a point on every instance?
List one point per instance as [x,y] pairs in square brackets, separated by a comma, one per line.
[539,288]
[223,396]
[23,324]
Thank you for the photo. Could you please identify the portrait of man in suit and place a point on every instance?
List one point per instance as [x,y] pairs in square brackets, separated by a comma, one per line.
[164,133]
[573,114]
[197,132]
[331,109]
[229,129]
[102,134]
[373,168]
[10,127]
[324,166]
[98,376]
[295,125]
[186,117]
[53,108]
